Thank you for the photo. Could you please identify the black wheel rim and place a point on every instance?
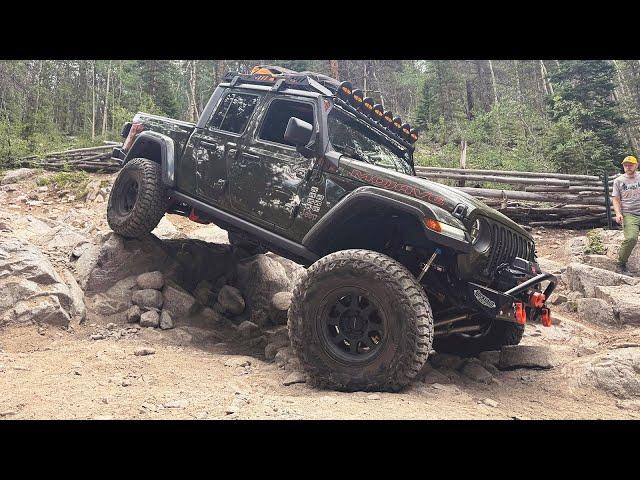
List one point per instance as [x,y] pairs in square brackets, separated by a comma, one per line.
[127,196]
[352,325]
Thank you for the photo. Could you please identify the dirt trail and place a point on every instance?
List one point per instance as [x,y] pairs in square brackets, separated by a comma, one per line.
[51,373]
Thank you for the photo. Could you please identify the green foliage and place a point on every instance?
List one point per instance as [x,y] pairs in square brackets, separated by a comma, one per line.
[75,181]
[595,245]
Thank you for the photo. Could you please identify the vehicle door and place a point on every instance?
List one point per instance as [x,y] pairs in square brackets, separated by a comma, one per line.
[276,169]
[216,145]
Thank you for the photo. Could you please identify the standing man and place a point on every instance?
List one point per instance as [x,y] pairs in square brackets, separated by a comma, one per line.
[626,203]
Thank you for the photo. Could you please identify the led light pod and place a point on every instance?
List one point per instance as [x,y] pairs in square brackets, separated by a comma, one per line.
[378,112]
[367,105]
[357,96]
[345,91]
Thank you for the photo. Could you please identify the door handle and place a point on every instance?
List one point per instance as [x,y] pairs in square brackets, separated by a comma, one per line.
[209,144]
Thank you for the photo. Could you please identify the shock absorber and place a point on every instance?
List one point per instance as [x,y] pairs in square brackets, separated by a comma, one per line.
[436,252]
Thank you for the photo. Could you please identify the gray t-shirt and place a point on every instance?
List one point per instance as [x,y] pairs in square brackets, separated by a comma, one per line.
[628,189]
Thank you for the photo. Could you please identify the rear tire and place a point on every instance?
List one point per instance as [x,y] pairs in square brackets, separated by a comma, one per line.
[138,199]
[497,335]
[360,321]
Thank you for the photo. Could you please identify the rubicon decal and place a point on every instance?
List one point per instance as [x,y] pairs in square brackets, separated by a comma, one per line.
[410,190]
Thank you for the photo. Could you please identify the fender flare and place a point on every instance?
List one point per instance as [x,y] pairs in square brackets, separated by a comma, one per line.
[363,198]
[167,148]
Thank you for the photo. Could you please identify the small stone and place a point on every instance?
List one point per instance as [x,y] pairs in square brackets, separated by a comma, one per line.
[525,356]
[133,314]
[373,396]
[211,316]
[150,280]
[270,351]
[490,402]
[147,298]
[111,326]
[491,357]
[144,351]
[231,300]
[281,301]
[294,377]
[7,413]
[97,336]
[166,322]
[99,198]
[237,362]
[248,329]
[150,319]
[446,360]
[475,371]
[283,356]
[176,404]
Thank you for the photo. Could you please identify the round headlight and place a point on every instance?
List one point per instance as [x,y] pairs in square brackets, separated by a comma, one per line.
[480,233]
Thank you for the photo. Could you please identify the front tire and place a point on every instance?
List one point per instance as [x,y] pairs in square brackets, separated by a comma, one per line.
[138,199]
[360,321]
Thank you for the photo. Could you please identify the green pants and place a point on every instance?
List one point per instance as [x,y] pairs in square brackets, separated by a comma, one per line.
[631,228]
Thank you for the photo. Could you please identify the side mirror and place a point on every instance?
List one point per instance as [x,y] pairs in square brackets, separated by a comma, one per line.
[299,133]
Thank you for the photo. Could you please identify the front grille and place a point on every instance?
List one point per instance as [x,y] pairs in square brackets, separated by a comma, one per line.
[505,246]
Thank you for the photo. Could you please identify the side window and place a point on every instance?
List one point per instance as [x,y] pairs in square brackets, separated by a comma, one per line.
[234,112]
[277,117]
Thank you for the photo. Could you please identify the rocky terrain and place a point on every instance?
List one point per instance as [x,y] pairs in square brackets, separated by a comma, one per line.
[180,325]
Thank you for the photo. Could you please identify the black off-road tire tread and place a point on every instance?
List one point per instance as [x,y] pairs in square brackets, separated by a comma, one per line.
[150,206]
[500,335]
[413,302]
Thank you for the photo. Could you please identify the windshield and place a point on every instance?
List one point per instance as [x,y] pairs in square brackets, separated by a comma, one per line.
[358,141]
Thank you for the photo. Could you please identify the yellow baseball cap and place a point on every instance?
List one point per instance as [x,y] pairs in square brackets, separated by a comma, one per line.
[630,159]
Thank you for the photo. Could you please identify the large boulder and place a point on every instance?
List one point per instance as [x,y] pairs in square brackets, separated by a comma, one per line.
[231,300]
[617,372]
[525,356]
[102,265]
[584,278]
[177,301]
[14,176]
[596,310]
[625,300]
[32,290]
[259,278]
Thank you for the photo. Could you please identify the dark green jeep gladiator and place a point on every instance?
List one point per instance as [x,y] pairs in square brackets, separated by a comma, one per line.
[304,166]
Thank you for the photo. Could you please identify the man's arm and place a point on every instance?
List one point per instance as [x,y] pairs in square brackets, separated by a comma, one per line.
[617,206]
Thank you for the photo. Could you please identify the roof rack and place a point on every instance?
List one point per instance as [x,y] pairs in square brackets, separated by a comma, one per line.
[279,78]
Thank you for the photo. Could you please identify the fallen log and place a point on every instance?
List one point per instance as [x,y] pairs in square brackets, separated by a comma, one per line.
[536,197]
[498,179]
[562,176]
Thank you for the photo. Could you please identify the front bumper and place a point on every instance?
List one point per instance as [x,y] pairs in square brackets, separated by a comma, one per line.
[516,304]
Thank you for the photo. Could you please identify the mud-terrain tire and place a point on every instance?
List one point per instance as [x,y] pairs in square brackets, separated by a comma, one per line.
[497,335]
[354,291]
[138,199]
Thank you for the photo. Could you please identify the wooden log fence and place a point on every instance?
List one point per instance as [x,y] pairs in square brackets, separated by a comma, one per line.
[90,159]
[537,199]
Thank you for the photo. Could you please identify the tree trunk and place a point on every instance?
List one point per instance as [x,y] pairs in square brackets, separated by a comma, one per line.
[548,88]
[334,69]
[518,88]
[106,101]
[93,102]
[493,82]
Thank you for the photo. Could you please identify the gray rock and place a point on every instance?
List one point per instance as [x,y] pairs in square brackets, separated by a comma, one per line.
[219,308]
[177,404]
[558,299]
[150,319]
[596,310]
[248,329]
[525,356]
[294,377]
[231,300]
[150,280]
[209,315]
[238,362]
[491,357]
[435,376]
[270,351]
[600,261]
[278,335]
[617,372]
[283,356]
[166,322]
[204,293]
[147,298]
[133,314]
[103,304]
[474,370]
[490,402]
[446,360]
[166,230]
[14,176]
[625,300]
[584,278]
[281,301]
[259,278]
[177,301]
[142,351]
[78,309]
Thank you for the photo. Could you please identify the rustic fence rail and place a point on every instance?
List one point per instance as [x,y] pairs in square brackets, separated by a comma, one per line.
[539,199]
